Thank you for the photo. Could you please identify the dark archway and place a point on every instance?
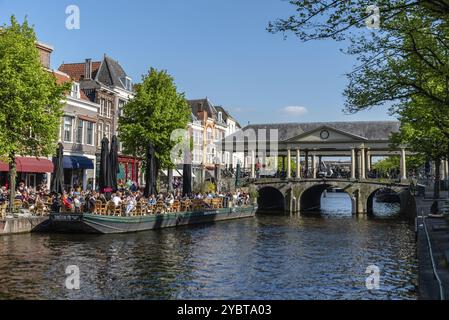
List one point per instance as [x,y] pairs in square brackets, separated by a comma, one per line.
[388,198]
[311,199]
[271,200]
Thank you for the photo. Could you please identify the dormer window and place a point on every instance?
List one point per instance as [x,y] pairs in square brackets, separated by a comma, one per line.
[220,116]
[75,93]
[127,83]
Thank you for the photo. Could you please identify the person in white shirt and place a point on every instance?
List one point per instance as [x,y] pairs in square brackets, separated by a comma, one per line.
[117,199]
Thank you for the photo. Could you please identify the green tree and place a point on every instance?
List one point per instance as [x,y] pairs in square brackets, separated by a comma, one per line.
[157,110]
[421,136]
[30,99]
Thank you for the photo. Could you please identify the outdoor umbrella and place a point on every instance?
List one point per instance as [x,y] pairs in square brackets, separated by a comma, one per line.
[238,173]
[187,179]
[113,163]
[217,174]
[57,181]
[105,182]
[150,172]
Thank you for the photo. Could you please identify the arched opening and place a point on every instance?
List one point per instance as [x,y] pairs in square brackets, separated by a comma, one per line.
[383,202]
[271,200]
[326,199]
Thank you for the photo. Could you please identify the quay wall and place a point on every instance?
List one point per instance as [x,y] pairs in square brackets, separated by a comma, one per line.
[20,225]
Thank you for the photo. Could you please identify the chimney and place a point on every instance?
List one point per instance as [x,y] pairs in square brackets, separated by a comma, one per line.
[45,51]
[88,69]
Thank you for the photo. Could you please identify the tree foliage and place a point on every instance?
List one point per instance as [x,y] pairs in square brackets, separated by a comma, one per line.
[156,111]
[31,100]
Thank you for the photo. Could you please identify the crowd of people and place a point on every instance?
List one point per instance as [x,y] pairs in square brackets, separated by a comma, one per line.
[128,195]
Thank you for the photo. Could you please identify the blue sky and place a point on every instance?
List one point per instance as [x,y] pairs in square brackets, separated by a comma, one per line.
[214,48]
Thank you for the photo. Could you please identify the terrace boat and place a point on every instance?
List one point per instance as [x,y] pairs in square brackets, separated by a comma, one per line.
[109,224]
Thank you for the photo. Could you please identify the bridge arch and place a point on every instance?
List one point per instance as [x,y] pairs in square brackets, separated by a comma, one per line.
[395,198]
[310,198]
[271,199]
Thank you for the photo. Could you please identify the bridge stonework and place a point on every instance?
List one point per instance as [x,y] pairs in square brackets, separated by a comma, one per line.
[302,195]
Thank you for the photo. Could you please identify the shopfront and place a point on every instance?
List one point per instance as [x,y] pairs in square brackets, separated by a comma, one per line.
[79,171]
[32,171]
[130,169]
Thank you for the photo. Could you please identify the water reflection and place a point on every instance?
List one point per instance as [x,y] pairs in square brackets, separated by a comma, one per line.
[271,257]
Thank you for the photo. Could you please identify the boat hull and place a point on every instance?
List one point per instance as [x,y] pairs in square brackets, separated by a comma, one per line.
[98,224]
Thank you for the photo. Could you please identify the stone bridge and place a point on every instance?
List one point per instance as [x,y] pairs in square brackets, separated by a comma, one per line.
[295,196]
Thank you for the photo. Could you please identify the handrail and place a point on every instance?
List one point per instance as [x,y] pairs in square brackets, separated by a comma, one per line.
[435,272]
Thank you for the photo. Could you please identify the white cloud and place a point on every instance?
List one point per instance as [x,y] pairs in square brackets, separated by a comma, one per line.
[294,111]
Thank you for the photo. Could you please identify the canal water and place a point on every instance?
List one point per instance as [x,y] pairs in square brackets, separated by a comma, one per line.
[318,256]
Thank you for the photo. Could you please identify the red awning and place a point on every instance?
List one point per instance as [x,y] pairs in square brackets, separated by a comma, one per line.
[28,165]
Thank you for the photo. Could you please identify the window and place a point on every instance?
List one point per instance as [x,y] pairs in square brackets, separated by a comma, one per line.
[108,109]
[209,134]
[79,131]
[197,138]
[121,105]
[75,93]
[100,132]
[90,133]
[107,131]
[102,106]
[220,117]
[68,129]
[127,83]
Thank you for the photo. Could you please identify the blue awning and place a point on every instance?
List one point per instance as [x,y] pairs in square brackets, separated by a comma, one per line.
[77,162]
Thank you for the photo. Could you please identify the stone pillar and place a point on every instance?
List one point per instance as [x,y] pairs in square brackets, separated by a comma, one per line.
[403,165]
[289,164]
[298,164]
[353,159]
[253,164]
[314,167]
[363,164]
[368,161]
[307,164]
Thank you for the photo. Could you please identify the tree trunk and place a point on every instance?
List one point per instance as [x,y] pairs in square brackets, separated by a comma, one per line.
[436,190]
[12,181]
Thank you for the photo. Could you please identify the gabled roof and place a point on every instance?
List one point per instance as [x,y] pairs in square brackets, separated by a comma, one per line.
[369,130]
[227,115]
[111,73]
[198,105]
[77,70]
[107,72]
[64,78]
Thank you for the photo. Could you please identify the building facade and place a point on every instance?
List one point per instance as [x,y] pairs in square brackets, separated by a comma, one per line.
[106,84]
[210,124]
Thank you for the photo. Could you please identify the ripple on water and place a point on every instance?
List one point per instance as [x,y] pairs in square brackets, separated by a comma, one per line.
[271,257]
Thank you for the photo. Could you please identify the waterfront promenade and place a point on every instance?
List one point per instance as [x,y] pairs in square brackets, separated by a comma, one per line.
[438,236]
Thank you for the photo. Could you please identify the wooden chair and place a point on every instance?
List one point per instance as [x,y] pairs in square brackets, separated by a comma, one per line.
[197,204]
[110,208]
[17,204]
[139,210]
[217,203]
[160,207]
[40,209]
[150,209]
[186,205]
[100,208]
[3,210]
[176,207]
